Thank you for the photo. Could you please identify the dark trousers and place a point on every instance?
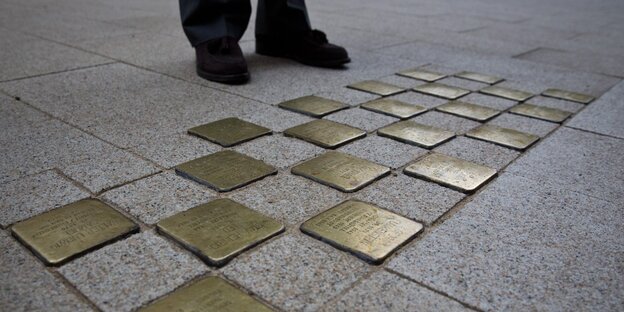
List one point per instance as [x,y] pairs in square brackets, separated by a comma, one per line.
[203,20]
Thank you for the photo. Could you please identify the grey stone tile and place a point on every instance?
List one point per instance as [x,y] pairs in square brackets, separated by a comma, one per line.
[463,83]
[274,118]
[524,124]
[418,99]
[361,119]
[523,245]
[605,115]
[157,197]
[480,152]
[446,121]
[527,34]
[383,151]
[296,272]
[172,150]
[348,96]
[489,101]
[590,62]
[125,275]
[279,151]
[556,103]
[28,286]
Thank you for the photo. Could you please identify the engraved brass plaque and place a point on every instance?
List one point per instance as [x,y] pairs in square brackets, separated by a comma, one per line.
[569,95]
[225,170]
[459,174]
[479,77]
[394,108]
[325,133]
[341,171]
[468,110]
[210,293]
[416,134]
[376,87]
[503,136]
[421,74]
[507,93]
[367,231]
[540,112]
[442,90]
[313,105]
[219,230]
[229,131]
[61,234]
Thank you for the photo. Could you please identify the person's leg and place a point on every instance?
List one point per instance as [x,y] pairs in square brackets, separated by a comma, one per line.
[281,17]
[204,20]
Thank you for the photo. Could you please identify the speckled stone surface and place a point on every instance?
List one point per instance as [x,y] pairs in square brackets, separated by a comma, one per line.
[362,119]
[463,83]
[383,151]
[416,98]
[556,103]
[27,285]
[445,121]
[480,152]
[489,101]
[32,195]
[524,124]
[175,149]
[348,96]
[605,115]
[125,275]
[159,196]
[278,150]
[401,81]
[296,272]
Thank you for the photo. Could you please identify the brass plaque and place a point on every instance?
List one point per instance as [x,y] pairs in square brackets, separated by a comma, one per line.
[442,90]
[394,108]
[540,112]
[376,87]
[503,136]
[568,95]
[225,170]
[325,133]
[367,231]
[313,105]
[219,230]
[61,234]
[468,110]
[479,77]
[507,93]
[458,174]
[229,131]
[421,74]
[341,171]
[210,293]
[416,134]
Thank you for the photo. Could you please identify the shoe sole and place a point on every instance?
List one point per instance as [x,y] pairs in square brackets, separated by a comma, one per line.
[319,63]
[229,79]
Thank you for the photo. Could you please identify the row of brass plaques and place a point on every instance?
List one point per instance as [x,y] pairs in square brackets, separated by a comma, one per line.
[507,93]
[229,131]
[503,136]
[325,133]
[313,106]
[417,134]
[376,87]
[394,108]
[421,74]
[479,77]
[441,90]
[540,112]
[468,110]
[568,95]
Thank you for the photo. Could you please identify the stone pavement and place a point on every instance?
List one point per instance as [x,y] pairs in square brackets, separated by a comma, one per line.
[97,97]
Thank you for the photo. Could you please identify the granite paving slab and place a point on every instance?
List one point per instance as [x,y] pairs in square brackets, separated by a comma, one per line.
[477,151]
[279,151]
[605,115]
[383,151]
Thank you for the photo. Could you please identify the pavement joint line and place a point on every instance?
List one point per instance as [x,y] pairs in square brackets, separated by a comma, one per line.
[596,133]
[58,72]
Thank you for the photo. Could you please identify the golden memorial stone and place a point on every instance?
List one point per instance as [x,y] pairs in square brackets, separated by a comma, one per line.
[568,95]
[225,170]
[421,74]
[376,87]
[453,172]
[394,108]
[540,112]
[441,90]
[414,133]
[313,106]
[479,77]
[468,110]
[59,235]
[325,133]
[229,131]
[503,136]
[507,93]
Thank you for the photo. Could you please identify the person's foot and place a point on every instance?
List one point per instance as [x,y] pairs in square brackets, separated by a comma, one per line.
[221,60]
[310,48]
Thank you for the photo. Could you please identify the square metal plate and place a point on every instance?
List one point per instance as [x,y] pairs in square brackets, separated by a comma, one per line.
[341,171]
[394,108]
[219,230]
[61,234]
[210,293]
[225,170]
[421,74]
[416,134]
[229,131]
[479,77]
[442,90]
[507,93]
[540,112]
[376,87]
[503,136]
[367,231]
[458,174]
[569,95]
[312,105]
[325,133]
[468,110]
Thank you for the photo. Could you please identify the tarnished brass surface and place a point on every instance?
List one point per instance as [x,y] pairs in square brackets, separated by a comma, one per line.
[421,74]
[507,93]
[540,112]
[442,90]
[468,110]
[503,136]
[225,170]
[568,95]
[365,230]
[59,235]
[341,171]
[325,133]
[479,77]
[453,172]
[394,108]
[313,105]
[229,131]
[376,87]
[417,134]
[211,293]
[219,230]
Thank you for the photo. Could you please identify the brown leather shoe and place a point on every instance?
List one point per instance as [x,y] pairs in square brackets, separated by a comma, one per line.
[310,48]
[221,60]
